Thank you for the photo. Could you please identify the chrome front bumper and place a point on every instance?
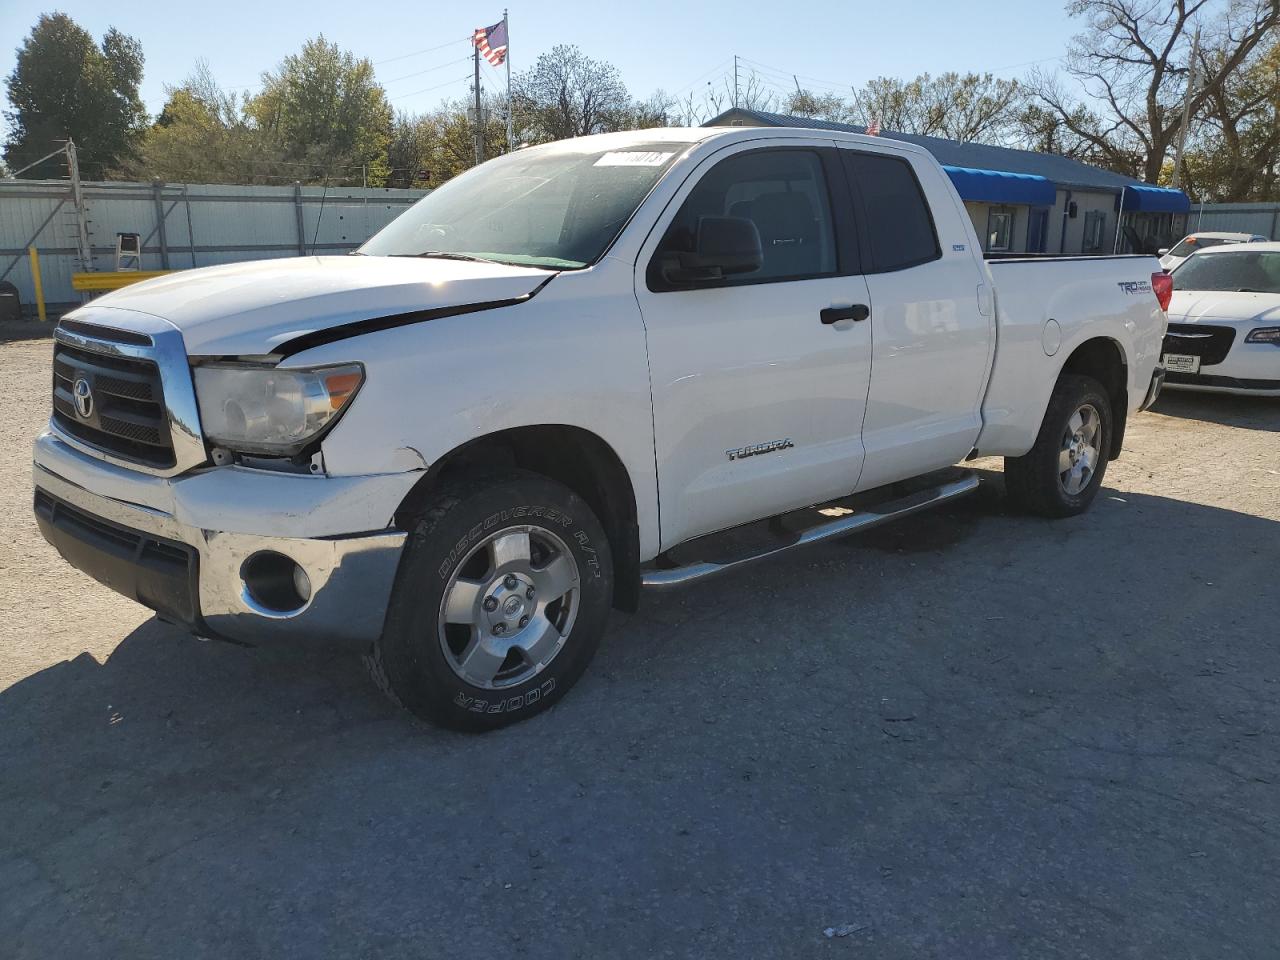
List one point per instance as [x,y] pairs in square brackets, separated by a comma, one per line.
[350,576]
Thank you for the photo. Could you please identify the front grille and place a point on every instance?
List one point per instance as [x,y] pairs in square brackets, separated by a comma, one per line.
[126,416]
[1210,344]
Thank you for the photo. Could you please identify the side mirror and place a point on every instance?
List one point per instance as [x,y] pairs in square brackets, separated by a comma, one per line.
[723,246]
[1162,251]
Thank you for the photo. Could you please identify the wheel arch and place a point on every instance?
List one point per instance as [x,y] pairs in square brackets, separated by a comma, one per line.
[1103,358]
[581,460]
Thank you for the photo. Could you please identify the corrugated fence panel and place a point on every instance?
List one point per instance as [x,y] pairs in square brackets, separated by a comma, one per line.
[1260,218]
[204,224]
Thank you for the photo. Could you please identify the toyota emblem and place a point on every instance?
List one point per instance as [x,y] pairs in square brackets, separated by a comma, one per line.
[83,395]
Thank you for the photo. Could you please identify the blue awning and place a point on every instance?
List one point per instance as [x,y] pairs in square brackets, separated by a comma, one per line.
[997,186]
[1148,199]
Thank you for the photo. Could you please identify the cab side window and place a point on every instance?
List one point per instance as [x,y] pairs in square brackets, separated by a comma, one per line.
[899,224]
[784,193]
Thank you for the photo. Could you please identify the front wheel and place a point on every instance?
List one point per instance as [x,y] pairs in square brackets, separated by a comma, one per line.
[499,603]
[1061,474]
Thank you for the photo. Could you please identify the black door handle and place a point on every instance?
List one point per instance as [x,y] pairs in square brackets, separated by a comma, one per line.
[859,311]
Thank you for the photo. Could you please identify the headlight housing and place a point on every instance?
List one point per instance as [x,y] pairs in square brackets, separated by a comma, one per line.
[1264,335]
[270,410]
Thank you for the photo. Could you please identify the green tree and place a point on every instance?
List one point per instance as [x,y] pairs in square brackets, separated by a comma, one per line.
[822,106]
[328,111]
[1234,151]
[427,150]
[203,136]
[65,85]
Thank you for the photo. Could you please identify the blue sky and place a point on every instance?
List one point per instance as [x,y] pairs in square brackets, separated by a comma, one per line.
[674,45]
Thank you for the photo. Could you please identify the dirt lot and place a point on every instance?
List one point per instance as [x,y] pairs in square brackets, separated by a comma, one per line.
[970,735]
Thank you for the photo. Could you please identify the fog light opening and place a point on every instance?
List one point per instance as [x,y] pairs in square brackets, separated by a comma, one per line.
[275,582]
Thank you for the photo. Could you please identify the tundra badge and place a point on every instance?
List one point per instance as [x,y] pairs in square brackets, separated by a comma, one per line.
[755,449]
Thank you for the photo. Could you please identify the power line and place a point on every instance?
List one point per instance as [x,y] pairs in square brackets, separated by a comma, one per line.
[1026,63]
[414,93]
[719,67]
[405,56]
[428,70]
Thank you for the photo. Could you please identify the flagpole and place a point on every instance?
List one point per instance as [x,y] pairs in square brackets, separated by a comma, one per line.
[511,139]
[479,118]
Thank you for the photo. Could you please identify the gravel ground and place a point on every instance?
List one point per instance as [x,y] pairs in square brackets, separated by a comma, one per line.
[972,734]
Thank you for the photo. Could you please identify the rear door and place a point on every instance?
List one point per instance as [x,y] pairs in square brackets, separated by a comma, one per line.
[757,401]
[933,325]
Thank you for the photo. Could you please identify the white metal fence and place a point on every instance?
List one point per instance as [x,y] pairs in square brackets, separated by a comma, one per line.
[181,225]
[1259,218]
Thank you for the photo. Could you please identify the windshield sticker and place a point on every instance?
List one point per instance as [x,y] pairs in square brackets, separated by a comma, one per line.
[634,158]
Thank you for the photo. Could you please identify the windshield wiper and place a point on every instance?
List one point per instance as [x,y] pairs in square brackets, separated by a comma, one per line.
[445,255]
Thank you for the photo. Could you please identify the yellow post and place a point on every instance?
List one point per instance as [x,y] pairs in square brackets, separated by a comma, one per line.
[35,279]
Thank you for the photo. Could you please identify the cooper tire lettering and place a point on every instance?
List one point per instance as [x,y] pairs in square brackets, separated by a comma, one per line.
[443,534]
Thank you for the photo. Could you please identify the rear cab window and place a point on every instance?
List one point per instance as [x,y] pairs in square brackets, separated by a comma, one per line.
[899,224]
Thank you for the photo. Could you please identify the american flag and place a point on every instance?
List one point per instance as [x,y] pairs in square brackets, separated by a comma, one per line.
[873,128]
[492,42]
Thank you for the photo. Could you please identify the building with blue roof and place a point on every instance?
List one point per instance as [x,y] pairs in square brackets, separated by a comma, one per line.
[1023,201]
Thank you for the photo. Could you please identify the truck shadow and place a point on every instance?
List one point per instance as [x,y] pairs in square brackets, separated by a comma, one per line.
[1249,413]
[1053,693]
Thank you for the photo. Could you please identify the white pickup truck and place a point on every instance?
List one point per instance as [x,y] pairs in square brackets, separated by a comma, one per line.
[624,361]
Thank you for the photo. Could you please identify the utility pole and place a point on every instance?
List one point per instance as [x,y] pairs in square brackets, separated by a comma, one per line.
[77,200]
[735,81]
[1186,108]
[479,119]
[857,105]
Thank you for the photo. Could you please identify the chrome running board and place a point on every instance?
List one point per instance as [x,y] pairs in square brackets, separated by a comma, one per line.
[864,518]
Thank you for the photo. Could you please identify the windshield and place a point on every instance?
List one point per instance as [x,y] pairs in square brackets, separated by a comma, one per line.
[538,208]
[1251,272]
[1189,245]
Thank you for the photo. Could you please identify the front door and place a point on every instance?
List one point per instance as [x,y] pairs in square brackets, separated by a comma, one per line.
[758,403]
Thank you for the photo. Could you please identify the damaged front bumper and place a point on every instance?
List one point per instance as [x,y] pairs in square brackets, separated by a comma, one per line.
[183,547]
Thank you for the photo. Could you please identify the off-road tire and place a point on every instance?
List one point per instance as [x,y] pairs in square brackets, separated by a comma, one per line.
[1033,482]
[408,661]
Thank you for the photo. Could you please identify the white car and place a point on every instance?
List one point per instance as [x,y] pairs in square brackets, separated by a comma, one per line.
[1224,322]
[624,361]
[1171,257]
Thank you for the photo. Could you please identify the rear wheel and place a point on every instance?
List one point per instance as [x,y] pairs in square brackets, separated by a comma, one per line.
[1061,474]
[499,603]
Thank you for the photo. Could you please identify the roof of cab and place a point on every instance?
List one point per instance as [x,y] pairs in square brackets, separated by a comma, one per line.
[693,135]
[1260,246]
[1221,235]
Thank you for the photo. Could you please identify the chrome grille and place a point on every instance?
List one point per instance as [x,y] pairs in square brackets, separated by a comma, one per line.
[1211,344]
[126,418]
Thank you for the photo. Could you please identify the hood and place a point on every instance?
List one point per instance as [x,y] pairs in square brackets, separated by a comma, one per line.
[250,309]
[1192,306]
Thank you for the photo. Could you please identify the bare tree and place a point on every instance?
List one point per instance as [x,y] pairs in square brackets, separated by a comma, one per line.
[970,107]
[699,106]
[567,94]
[1132,59]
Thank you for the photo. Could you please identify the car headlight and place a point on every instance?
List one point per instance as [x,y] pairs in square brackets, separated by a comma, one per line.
[272,410]
[1264,335]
